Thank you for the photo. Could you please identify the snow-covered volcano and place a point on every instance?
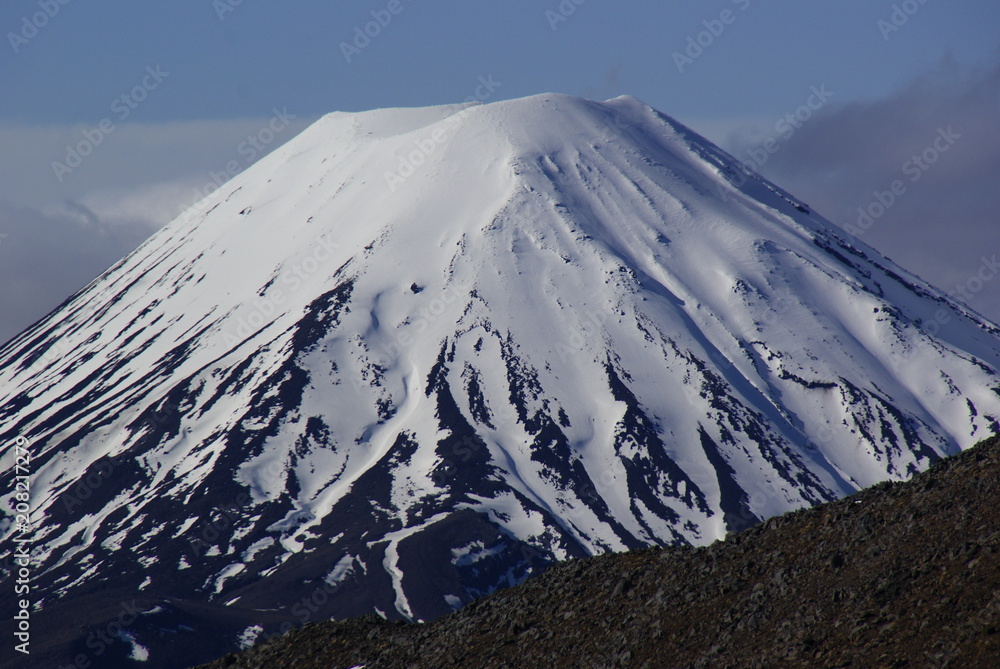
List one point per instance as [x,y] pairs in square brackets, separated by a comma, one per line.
[416,354]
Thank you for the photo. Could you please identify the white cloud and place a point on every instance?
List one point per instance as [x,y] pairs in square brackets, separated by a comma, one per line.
[134,156]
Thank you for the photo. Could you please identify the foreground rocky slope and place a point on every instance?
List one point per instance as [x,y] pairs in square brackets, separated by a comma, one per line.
[901,574]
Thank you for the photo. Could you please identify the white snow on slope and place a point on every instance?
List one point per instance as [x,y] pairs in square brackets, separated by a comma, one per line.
[553,265]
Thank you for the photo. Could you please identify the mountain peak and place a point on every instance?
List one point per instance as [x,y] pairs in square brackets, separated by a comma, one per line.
[534,123]
[620,339]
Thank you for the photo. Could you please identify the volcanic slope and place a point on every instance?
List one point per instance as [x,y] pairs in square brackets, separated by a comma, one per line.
[416,355]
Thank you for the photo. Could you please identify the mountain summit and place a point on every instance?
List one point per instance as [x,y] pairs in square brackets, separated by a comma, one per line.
[415,355]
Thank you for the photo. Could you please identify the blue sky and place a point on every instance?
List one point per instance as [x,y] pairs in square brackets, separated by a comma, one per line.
[232,59]
[897,71]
